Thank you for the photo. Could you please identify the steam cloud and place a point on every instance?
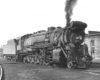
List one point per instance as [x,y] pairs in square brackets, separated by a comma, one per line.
[69,10]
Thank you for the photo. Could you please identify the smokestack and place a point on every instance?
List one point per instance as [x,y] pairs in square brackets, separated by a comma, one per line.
[69,10]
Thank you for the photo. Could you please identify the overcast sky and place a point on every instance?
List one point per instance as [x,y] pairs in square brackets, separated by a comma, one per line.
[19,17]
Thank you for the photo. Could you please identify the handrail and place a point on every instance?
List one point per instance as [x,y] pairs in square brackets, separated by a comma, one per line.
[64,52]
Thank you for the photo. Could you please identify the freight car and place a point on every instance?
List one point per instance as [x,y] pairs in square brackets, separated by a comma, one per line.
[61,46]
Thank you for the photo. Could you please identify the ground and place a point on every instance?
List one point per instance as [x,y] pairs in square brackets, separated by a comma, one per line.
[26,71]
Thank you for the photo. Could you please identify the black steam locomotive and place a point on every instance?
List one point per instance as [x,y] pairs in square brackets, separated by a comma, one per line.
[61,46]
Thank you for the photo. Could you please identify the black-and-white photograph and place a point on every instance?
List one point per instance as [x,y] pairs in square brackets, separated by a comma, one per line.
[49,40]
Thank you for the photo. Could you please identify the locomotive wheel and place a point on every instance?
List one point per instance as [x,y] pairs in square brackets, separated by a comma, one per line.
[31,60]
[40,61]
[69,64]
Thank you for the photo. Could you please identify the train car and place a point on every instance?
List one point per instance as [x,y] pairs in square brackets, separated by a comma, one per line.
[4,50]
[9,50]
[61,46]
[1,51]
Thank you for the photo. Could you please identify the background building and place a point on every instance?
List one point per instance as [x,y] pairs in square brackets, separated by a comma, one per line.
[92,39]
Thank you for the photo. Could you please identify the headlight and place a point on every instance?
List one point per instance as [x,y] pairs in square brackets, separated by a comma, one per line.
[84,59]
[79,37]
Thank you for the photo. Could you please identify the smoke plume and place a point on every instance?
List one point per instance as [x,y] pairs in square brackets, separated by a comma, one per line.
[69,10]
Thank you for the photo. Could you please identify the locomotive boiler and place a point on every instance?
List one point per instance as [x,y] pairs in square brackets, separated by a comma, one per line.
[61,46]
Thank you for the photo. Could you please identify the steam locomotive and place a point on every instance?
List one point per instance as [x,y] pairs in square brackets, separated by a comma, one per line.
[61,46]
